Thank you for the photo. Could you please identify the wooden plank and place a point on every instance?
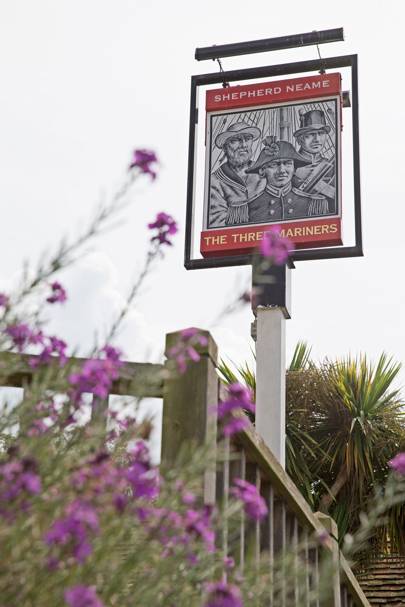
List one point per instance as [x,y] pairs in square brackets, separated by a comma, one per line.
[135,379]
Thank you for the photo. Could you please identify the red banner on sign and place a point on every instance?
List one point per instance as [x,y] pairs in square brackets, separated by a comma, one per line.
[304,234]
[278,91]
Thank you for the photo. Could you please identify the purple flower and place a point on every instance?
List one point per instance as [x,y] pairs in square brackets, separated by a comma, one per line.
[143,478]
[58,293]
[53,348]
[398,463]
[74,529]
[18,481]
[229,562]
[184,351]
[37,428]
[143,159]
[239,400]
[233,425]
[254,504]
[274,246]
[49,415]
[96,375]
[221,594]
[165,226]
[82,596]
[21,335]
[198,524]
[188,498]
[3,300]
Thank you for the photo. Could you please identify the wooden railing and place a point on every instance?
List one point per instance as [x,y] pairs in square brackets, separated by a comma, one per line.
[290,525]
[188,416]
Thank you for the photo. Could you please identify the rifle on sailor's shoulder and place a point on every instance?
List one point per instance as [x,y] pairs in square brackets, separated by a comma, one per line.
[317,174]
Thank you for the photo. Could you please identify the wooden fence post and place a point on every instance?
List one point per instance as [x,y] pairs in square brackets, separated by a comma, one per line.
[331,527]
[188,403]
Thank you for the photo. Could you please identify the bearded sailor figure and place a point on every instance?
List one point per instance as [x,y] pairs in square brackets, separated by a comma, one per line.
[280,201]
[231,185]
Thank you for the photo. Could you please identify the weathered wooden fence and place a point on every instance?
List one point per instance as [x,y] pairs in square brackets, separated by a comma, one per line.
[188,401]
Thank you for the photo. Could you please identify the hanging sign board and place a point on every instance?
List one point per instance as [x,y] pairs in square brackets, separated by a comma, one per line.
[273,157]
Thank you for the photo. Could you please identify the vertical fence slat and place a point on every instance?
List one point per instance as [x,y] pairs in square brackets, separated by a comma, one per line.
[225,496]
[296,559]
[307,568]
[258,525]
[271,544]
[283,552]
[242,516]
[316,576]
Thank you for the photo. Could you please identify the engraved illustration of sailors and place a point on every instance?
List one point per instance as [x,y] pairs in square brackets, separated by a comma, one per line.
[318,176]
[279,200]
[231,184]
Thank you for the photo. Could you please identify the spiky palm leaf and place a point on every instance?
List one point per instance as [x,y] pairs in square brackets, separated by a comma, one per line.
[301,357]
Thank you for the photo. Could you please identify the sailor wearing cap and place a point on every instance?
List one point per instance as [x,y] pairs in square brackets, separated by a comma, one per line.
[231,187]
[319,175]
[280,201]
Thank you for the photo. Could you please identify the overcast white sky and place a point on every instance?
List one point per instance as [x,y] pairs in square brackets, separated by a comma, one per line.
[84,82]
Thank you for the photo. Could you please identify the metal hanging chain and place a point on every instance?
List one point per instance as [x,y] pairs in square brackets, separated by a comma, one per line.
[221,69]
[322,70]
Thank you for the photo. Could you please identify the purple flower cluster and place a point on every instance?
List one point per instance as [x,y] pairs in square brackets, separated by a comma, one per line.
[82,596]
[275,247]
[143,160]
[221,594]
[254,505]
[184,350]
[143,478]
[239,400]
[398,463]
[4,300]
[104,481]
[19,480]
[173,528]
[75,529]
[22,336]
[96,375]
[166,226]
[58,294]
[53,347]
[48,412]
[98,477]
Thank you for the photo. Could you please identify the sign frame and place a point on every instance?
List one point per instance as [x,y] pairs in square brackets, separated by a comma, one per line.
[317,65]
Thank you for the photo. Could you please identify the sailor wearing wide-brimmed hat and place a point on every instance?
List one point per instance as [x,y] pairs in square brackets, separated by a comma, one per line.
[319,175]
[231,187]
[280,201]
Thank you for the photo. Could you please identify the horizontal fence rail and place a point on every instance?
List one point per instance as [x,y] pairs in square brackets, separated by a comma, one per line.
[135,379]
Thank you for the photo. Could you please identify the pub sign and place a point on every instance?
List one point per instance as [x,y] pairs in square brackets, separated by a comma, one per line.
[273,157]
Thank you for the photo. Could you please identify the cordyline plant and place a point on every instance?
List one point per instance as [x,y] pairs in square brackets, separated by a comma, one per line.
[86,519]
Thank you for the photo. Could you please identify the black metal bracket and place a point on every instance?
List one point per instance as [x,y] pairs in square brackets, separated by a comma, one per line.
[269,44]
[269,72]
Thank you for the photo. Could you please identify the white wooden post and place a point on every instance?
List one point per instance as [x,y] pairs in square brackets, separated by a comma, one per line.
[273,307]
[270,379]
